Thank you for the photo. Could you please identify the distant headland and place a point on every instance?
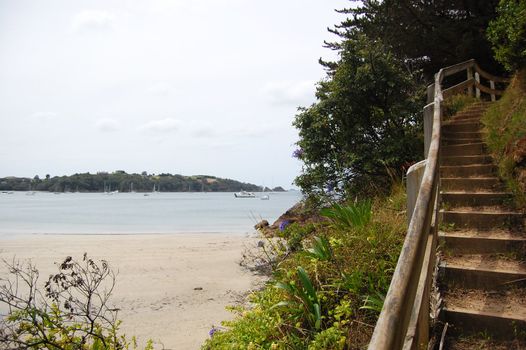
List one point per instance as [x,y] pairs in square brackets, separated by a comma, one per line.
[122,182]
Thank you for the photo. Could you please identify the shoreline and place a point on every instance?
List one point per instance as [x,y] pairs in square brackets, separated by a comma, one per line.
[171,288]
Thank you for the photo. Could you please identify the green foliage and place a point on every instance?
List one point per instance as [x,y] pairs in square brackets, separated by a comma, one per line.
[505,124]
[303,298]
[348,216]
[365,125]
[374,302]
[321,249]
[316,296]
[331,338]
[507,34]
[429,35]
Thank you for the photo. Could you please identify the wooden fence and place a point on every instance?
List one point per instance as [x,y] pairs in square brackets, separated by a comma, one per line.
[405,316]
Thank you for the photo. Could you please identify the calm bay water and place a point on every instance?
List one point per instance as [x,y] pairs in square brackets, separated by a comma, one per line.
[135,213]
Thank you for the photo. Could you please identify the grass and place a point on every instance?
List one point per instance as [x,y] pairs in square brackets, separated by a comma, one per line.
[326,292]
[505,126]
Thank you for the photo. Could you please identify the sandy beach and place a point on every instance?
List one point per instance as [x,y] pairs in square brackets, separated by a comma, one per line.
[159,278]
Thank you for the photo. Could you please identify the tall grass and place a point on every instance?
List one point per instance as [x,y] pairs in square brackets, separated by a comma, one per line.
[505,126]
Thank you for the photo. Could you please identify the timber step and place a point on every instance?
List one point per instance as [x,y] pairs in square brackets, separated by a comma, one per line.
[483,242]
[470,184]
[462,198]
[482,271]
[466,160]
[462,134]
[499,314]
[471,116]
[472,241]
[481,218]
[463,127]
[470,342]
[468,149]
[471,170]
[458,141]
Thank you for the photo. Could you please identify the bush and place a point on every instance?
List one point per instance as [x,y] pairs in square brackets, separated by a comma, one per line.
[72,312]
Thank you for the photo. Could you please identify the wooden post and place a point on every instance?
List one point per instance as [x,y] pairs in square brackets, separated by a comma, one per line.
[428,126]
[430,93]
[469,77]
[477,90]
[492,86]
[414,179]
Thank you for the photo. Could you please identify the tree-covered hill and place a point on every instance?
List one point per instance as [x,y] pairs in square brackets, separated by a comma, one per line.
[123,182]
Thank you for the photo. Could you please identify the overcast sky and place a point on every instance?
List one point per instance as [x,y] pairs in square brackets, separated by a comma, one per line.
[182,86]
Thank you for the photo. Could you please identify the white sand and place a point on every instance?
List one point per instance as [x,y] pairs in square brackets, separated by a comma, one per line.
[156,278]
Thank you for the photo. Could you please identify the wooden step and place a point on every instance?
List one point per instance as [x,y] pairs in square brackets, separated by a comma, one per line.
[458,141]
[469,149]
[498,314]
[483,242]
[481,219]
[462,134]
[467,171]
[482,343]
[473,117]
[462,127]
[482,271]
[463,198]
[466,160]
[470,184]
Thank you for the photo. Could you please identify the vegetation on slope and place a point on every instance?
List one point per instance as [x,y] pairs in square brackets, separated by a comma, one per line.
[328,282]
[505,124]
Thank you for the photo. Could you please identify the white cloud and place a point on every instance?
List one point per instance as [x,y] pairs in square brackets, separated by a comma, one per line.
[203,129]
[289,93]
[107,125]
[90,20]
[160,89]
[161,125]
[44,115]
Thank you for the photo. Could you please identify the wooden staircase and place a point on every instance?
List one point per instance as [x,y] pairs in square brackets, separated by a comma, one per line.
[482,272]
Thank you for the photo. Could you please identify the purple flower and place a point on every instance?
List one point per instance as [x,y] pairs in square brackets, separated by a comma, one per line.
[330,187]
[298,153]
[284,225]
[213,331]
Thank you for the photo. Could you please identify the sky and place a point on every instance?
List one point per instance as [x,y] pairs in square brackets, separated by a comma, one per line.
[206,87]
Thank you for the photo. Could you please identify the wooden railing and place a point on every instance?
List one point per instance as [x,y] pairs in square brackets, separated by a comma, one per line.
[405,317]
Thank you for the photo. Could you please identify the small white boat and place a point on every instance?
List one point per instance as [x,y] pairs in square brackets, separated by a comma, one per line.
[265,197]
[244,194]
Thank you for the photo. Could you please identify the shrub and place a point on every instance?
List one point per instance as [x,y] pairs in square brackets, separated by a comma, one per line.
[72,312]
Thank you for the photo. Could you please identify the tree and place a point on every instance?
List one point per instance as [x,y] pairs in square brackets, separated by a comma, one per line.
[430,34]
[507,34]
[365,124]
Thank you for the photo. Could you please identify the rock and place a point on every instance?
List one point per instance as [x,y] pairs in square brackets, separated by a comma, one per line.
[261,225]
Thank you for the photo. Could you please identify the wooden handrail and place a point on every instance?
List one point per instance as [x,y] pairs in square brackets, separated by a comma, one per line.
[404,319]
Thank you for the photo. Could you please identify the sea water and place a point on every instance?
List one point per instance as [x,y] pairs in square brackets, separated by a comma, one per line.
[137,213]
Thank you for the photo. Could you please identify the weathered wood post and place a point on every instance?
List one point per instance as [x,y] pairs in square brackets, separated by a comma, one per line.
[477,90]
[470,76]
[414,179]
[428,126]
[492,86]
